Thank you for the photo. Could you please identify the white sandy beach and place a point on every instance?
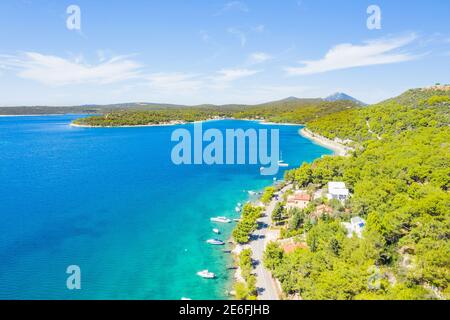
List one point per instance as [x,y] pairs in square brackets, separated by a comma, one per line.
[338,148]
[278,123]
[166,124]
[172,123]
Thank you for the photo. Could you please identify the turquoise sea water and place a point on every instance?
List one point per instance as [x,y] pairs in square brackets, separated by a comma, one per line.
[112,202]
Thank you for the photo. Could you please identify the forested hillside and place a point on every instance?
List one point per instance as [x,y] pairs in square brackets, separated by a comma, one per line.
[292,111]
[399,178]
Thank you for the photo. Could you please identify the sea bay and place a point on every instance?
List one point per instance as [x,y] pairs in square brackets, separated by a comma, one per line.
[111,201]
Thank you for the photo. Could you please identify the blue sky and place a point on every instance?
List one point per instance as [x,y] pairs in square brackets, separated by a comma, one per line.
[200,51]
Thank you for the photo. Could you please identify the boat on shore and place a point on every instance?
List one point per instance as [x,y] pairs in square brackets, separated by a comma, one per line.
[206,274]
[221,220]
[215,242]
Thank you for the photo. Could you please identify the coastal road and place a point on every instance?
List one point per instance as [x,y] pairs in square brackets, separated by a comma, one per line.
[264,282]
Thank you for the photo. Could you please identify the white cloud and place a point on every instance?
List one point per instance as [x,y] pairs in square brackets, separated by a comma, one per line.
[57,71]
[259,57]
[346,56]
[228,75]
[233,6]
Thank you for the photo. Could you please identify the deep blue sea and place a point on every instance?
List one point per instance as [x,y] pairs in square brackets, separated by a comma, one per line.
[111,201]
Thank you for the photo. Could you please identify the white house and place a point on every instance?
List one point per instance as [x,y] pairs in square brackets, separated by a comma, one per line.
[355,226]
[338,191]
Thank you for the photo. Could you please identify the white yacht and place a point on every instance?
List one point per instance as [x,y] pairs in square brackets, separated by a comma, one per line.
[206,274]
[215,242]
[221,220]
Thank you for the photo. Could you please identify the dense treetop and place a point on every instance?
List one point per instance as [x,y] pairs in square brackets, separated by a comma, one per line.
[399,176]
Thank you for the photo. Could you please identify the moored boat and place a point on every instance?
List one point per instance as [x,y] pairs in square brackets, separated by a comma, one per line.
[215,242]
[206,274]
[221,220]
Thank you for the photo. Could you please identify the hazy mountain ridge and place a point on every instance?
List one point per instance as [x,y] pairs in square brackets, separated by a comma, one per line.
[340,96]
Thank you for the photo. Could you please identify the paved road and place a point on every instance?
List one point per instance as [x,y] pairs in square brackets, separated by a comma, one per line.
[264,281]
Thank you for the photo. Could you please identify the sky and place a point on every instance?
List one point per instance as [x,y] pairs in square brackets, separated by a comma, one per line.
[214,51]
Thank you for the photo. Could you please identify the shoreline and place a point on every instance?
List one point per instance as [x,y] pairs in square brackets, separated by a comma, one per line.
[128,126]
[174,123]
[337,148]
[264,276]
[279,123]
[164,124]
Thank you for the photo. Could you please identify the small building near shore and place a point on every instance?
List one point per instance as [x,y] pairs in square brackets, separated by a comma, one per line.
[355,226]
[338,191]
[299,200]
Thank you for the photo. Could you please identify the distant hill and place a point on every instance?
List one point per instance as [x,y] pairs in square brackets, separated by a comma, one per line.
[283,105]
[340,96]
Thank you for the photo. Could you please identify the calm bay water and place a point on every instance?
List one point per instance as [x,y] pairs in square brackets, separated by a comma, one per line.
[112,202]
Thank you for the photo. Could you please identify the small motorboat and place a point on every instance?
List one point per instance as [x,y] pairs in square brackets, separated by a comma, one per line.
[184,298]
[237,209]
[281,163]
[216,231]
[206,274]
[221,220]
[215,242]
